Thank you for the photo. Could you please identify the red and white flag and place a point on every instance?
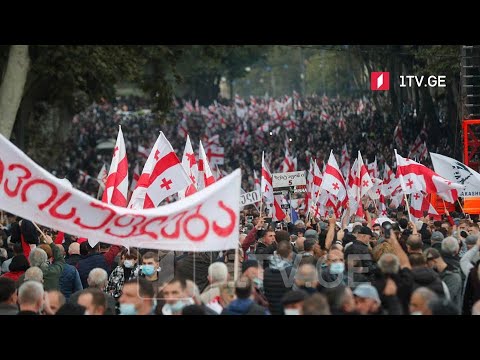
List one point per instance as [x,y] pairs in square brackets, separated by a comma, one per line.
[256,181]
[345,161]
[418,146]
[333,181]
[143,152]
[116,187]
[102,176]
[373,169]
[135,178]
[189,164]
[205,175]
[415,177]
[215,154]
[365,182]
[162,176]
[288,164]
[266,183]
[418,204]
[398,135]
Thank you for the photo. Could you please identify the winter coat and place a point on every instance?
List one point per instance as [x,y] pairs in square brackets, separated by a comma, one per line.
[273,282]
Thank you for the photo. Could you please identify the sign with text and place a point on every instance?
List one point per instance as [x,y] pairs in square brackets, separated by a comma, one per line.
[288,179]
[205,221]
[249,198]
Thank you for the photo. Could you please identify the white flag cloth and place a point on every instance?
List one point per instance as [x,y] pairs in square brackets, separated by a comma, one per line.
[102,176]
[117,180]
[205,174]
[189,164]
[333,181]
[206,221]
[162,176]
[415,177]
[454,170]
[266,183]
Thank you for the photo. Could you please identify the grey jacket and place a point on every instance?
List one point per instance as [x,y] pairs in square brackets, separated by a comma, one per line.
[469,259]
[453,280]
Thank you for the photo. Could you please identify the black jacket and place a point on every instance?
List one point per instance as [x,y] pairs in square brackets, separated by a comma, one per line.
[472,290]
[403,280]
[73,259]
[194,266]
[426,277]
[275,287]
[88,263]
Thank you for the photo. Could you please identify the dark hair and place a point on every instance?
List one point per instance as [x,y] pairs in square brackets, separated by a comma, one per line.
[150,255]
[71,309]
[132,254]
[308,244]
[282,235]
[19,263]
[18,249]
[84,248]
[7,288]
[98,297]
[443,231]
[145,287]
[193,310]
[415,242]
[181,280]
[403,223]
[335,297]
[417,260]
[243,287]
[356,229]
[284,248]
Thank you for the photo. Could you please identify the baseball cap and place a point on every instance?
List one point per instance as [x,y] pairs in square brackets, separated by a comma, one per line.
[367,291]
[437,236]
[310,234]
[471,239]
[293,297]
[365,230]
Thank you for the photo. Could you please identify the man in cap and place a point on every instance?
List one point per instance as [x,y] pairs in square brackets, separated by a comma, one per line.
[358,253]
[436,240]
[292,302]
[366,299]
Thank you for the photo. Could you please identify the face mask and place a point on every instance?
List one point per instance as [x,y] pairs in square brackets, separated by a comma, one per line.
[291,311]
[377,232]
[416,313]
[337,268]
[148,270]
[258,283]
[128,264]
[174,308]
[128,309]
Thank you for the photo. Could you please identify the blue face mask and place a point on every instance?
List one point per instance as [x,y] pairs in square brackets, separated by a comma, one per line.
[175,308]
[148,270]
[337,268]
[258,283]
[128,309]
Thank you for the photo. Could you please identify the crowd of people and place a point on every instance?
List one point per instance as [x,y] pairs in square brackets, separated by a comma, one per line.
[371,266]
[307,266]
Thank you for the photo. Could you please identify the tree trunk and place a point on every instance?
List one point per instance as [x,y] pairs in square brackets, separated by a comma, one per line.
[11,89]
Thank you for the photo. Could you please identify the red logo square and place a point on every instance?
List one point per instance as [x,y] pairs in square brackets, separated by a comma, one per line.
[380,81]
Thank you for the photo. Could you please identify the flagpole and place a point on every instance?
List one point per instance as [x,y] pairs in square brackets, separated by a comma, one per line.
[461,207]
[41,232]
[236,264]
[408,207]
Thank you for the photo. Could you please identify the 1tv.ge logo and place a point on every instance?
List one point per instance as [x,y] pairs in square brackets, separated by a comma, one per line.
[380,80]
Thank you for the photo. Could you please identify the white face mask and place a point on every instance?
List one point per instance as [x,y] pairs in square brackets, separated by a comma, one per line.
[129,264]
[291,311]
[377,232]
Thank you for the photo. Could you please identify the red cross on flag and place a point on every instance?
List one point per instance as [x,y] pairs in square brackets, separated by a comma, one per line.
[288,164]
[189,164]
[116,187]
[102,177]
[376,190]
[205,174]
[333,181]
[215,154]
[162,176]
[136,177]
[418,204]
[266,183]
[365,182]
[415,177]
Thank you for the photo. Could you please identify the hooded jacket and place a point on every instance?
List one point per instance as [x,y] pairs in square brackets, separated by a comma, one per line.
[426,277]
[275,285]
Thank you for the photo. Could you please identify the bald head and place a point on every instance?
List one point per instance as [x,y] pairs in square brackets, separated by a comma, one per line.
[74,249]
[61,249]
[299,243]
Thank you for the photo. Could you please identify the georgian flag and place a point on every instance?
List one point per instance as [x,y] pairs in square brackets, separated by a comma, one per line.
[205,174]
[189,164]
[365,182]
[116,187]
[418,204]
[288,164]
[162,176]
[266,183]
[373,169]
[415,177]
[333,181]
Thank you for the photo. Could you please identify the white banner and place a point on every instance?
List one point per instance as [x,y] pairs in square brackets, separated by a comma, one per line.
[249,198]
[456,171]
[288,179]
[205,221]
